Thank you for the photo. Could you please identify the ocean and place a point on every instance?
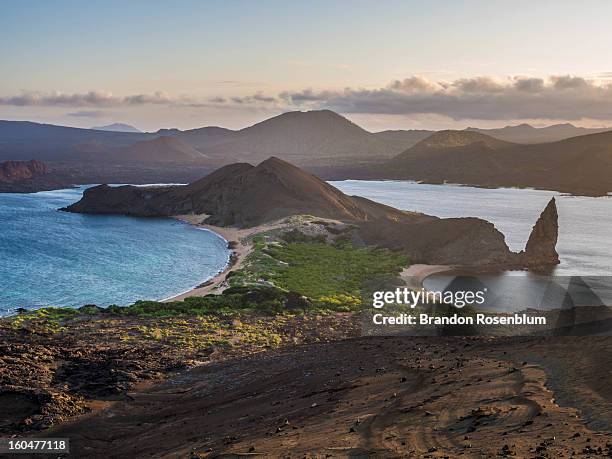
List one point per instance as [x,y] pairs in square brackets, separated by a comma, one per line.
[52,258]
[584,276]
[585,239]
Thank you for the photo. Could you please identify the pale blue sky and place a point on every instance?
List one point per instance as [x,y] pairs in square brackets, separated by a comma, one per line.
[196,53]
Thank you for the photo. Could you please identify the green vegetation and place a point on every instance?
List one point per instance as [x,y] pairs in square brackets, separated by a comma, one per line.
[317,270]
[49,320]
[336,276]
[265,300]
[205,331]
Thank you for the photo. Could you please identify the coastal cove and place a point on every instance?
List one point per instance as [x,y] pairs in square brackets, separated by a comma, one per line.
[72,259]
[52,258]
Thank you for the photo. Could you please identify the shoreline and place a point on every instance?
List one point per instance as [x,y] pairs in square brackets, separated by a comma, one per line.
[237,253]
[239,245]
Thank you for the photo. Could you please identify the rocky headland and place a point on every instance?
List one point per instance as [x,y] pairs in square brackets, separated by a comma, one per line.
[243,196]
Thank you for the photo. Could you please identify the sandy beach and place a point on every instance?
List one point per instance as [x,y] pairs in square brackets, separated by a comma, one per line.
[239,241]
[414,275]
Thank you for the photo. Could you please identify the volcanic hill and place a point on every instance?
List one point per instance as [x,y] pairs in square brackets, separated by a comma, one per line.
[580,165]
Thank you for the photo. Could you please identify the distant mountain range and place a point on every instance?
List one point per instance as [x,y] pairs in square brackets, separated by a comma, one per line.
[27,140]
[522,133]
[331,145]
[306,138]
[117,127]
[525,133]
[403,139]
[315,138]
[159,150]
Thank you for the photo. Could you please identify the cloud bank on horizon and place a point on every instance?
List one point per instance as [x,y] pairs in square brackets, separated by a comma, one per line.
[565,97]
[481,98]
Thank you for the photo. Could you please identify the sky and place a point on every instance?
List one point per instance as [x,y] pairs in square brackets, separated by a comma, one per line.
[383,64]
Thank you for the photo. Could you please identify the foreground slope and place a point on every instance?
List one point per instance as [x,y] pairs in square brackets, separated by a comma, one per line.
[394,397]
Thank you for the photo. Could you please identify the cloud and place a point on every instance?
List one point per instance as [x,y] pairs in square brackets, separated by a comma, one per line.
[88,114]
[89,99]
[485,98]
[558,97]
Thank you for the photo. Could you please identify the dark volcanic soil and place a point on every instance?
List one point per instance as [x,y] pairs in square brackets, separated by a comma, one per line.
[371,397]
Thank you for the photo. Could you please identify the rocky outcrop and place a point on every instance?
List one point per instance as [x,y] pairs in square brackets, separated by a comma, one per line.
[466,242]
[15,171]
[541,247]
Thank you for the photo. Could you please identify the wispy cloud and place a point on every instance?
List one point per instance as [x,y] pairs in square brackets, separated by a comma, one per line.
[88,114]
[89,99]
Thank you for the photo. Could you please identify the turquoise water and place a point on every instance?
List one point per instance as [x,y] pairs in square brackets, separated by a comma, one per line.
[52,258]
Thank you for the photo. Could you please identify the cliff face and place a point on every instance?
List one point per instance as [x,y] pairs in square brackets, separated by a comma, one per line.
[15,171]
[541,246]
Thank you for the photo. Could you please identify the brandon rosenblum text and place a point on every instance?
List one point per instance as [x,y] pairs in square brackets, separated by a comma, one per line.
[457,319]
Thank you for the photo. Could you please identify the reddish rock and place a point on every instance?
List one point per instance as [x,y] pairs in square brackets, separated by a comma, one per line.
[14,171]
